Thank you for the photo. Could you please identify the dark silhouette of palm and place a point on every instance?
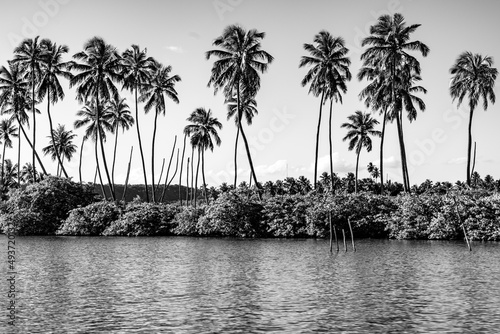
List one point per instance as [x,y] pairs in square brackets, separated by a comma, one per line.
[60,146]
[8,131]
[360,128]
[473,76]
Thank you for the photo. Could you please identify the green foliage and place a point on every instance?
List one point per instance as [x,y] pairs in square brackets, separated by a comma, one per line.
[143,219]
[90,220]
[40,208]
[285,216]
[186,220]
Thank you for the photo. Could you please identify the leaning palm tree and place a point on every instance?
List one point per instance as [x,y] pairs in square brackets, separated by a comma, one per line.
[60,146]
[97,122]
[120,117]
[389,43]
[99,69]
[248,107]
[137,72]
[203,134]
[160,85]
[30,54]
[361,127]
[236,71]
[473,75]
[53,67]
[7,132]
[328,73]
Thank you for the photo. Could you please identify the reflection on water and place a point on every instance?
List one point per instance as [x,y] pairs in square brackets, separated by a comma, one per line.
[190,285]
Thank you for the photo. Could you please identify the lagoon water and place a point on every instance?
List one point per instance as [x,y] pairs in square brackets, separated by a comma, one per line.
[203,285]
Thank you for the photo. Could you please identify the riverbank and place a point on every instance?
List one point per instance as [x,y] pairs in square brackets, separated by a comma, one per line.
[57,206]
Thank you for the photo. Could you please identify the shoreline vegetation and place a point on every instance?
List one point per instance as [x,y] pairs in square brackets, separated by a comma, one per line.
[36,203]
[58,206]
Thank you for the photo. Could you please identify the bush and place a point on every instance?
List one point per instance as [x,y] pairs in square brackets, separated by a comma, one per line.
[285,216]
[40,208]
[186,220]
[144,219]
[90,220]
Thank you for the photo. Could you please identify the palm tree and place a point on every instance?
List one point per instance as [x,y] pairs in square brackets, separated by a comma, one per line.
[29,55]
[390,43]
[248,107]
[120,117]
[473,75]
[136,72]
[236,71]
[27,173]
[53,67]
[203,133]
[60,146]
[10,175]
[7,132]
[97,120]
[99,70]
[361,127]
[327,76]
[160,84]
[373,170]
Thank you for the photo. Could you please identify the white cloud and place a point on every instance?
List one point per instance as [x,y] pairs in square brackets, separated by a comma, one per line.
[176,49]
[457,161]
[390,162]
[339,165]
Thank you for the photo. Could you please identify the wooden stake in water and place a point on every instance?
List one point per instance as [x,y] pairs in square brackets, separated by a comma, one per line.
[345,245]
[335,234]
[463,226]
[331,231]
[352,235]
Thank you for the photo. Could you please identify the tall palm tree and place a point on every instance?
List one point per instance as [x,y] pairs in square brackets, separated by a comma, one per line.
[236,71]
[389,43]
[473,75]
[97,122]
[248,107]
[361,127]
[99,69]
[53,67]
[7,132]
[137,67]
[29,55]
[60,146]
[160,85]
[203,133]
[120,117]
[328,73]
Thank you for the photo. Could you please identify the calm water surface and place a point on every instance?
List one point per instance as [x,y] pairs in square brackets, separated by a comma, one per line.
[191,285]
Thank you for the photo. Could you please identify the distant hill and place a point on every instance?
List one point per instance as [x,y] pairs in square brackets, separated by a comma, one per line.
[171,195]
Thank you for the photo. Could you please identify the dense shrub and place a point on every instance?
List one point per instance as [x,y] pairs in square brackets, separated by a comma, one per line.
[90,220]
[186,220]
[232,214]
[285,216]
[144,219]
[40,208]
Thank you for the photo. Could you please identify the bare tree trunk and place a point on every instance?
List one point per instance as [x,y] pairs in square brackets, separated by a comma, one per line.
[128,173]
[180,173]
[140,145]
[317,140]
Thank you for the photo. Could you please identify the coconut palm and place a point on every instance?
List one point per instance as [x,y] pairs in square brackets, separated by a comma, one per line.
[236,71]
[97,122]
[8,131]
[120,117]
[203,134]
[27,173]
[389,45]
[137,72]
[248,107]
[473,76]
[53,67]
[99,66]
[160,85]
[60,146]
[10,174]
[30,54]
[327,75]
[360,128]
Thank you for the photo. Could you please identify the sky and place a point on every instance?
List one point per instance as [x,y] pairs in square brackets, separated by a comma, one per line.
[282,136]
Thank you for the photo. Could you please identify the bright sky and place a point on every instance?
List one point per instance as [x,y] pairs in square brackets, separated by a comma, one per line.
[282,136]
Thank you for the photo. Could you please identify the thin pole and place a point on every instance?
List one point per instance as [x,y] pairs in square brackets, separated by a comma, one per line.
[331,231]
[345,246]
[463,226]
[128,173]
[352,235]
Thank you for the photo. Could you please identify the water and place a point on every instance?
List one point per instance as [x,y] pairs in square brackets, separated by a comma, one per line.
[197,285]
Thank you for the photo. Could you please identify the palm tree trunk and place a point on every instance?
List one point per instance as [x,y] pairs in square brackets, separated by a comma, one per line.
[29,142]
[180,173]
[235,157]
[173,176]
[98,169]
[3,163]
[317,141]
[112,190]
[114,158]
[33,147]
[168,168]
[405,161]
[401,150]
[52,135]
[196,178]
[60,169]
[153,159]
[331,143]
[203,175]
[128,173]
[357,164]
[140,146]
[80,165]
[469,146]
[187,182]
[192,175]
[19,158]
[382,153]
[161,175]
